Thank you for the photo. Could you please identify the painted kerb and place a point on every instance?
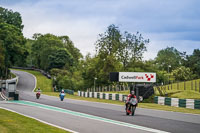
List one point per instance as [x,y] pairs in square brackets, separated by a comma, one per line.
[108,96]
[185,103]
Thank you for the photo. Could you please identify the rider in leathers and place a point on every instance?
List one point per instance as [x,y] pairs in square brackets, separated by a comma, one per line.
[131,95]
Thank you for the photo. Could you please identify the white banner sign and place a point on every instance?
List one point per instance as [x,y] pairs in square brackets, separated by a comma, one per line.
[137,77]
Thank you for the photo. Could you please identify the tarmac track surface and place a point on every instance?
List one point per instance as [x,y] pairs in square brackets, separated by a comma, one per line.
[153,119]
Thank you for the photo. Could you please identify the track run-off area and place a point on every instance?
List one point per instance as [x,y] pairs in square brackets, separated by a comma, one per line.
[89,117]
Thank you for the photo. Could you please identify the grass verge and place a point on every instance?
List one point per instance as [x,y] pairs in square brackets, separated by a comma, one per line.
[16,123]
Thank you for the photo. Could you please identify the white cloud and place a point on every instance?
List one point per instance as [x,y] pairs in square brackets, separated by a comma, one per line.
[164,24]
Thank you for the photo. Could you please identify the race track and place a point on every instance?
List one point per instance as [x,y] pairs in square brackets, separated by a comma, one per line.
[97,117]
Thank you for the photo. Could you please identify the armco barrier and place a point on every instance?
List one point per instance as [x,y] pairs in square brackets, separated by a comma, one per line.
[186,103]
[100,95]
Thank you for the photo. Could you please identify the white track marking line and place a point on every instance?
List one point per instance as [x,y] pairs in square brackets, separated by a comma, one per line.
[88,116]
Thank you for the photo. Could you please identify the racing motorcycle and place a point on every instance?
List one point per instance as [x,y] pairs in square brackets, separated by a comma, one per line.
[38,95]
[131,106]
[62,95]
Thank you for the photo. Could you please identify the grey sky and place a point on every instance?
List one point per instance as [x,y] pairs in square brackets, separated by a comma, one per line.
[165,22]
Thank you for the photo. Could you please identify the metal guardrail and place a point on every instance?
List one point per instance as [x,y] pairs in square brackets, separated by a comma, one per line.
[35,69]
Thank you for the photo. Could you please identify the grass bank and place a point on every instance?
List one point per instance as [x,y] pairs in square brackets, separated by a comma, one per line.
[182,94]
[14,123]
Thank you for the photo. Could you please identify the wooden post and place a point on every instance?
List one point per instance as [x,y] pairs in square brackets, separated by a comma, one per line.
[184,86]
[195,85]
[171,86]
[199,86]
[177,86]
[191,85]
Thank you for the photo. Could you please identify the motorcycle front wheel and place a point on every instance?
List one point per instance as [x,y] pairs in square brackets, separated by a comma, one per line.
[133,110]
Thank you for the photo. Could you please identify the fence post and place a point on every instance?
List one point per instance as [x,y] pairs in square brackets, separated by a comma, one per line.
[191,85]
[171,86]
[184,86]
[177,86]
[199,86]
[195,85]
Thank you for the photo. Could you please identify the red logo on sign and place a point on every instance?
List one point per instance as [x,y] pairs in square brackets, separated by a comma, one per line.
[149,77]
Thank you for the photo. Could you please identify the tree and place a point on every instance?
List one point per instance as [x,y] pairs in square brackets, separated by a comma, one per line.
[13,44]
[168,57]
[109,42]
[10,17]
[193,62]
[68,44]
[59,58]
[133,47]
[2,61]
[182,73]
[12,41]
[43,46]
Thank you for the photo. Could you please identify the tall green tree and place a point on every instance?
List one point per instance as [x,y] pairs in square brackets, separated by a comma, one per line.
[10,17]
[44,46]
[182,73]
[60,58]
[11,40]
[193,62]
[109,43]
[169,57]
[13,43]
[133,47]
[75,52]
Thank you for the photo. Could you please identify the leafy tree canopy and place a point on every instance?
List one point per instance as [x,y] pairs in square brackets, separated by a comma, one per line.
[10,17]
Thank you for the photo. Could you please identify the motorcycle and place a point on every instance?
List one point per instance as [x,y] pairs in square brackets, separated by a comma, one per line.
[62,95]
[131,106]
[38,95]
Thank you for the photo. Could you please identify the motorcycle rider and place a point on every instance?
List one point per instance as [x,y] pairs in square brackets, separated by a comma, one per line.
[38,92]
[131,95]
[62,93]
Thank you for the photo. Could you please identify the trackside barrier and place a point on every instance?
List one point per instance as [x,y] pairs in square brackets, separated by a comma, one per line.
[100,95]
[66,91]
[8,89]
[185,103]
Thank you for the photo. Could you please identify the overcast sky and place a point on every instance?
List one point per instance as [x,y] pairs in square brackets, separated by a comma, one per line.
[173,23]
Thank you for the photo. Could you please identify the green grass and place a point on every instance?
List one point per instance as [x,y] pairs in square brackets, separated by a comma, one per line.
[14,123]
[183,94]
[12,75]
[192,85]
[44,83]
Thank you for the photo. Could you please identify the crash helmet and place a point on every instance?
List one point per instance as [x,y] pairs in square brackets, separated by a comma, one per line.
[62,91]
[133,92]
